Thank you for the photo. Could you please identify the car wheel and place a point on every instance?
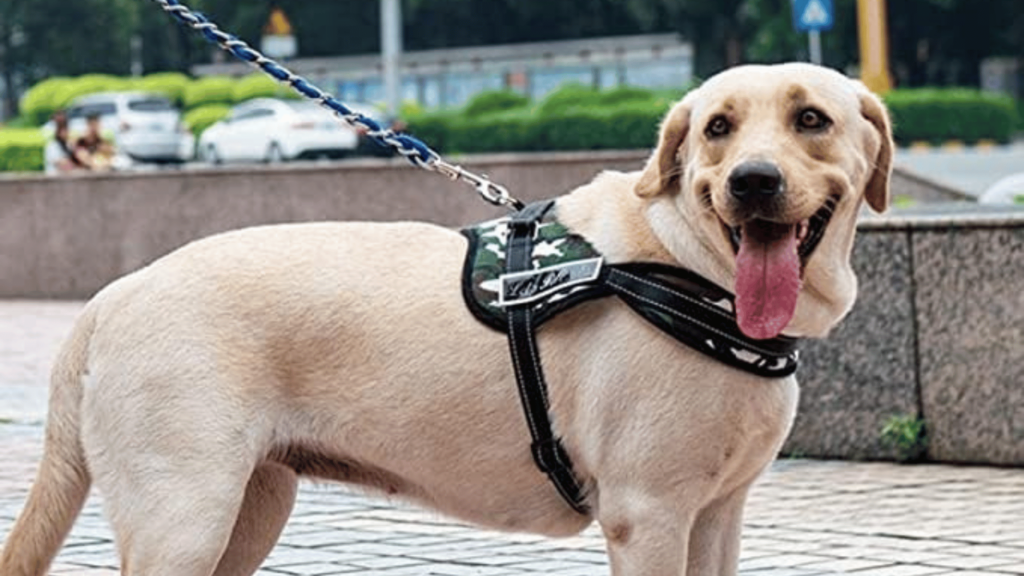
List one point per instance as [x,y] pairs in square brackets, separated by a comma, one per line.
[212,156]
[274,154]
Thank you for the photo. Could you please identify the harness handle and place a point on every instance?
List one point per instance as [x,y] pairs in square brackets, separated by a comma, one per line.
[413,149]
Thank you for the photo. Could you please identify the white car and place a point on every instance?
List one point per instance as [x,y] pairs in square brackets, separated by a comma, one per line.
[271,130]
[146,127]
[1008,190]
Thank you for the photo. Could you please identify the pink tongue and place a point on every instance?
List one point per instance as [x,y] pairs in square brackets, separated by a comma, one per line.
[767,279]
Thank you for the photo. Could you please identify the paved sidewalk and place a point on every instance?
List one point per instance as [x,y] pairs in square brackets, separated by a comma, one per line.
[805,518]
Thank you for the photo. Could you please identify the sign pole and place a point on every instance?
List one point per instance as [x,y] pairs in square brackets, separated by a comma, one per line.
[814,46]
[391,43]
[874,45]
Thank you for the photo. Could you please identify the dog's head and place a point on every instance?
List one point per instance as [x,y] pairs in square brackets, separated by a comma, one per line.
[770,165]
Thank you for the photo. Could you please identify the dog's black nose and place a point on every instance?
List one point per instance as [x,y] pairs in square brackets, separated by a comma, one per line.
[752,180]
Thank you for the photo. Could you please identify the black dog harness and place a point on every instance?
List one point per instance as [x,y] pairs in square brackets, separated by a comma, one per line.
[522,270]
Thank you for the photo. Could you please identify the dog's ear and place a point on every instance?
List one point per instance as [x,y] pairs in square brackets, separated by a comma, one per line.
[662,171]
[877,190]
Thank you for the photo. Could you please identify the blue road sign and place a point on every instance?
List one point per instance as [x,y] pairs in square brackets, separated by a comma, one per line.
[813,15]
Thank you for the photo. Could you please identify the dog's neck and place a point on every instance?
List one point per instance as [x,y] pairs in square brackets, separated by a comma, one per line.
[685,241]
[627,228]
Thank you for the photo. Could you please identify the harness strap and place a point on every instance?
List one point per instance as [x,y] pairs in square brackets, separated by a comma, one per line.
[548,452]
[652,291]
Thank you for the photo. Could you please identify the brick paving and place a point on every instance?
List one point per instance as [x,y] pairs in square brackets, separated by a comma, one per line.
[805,518]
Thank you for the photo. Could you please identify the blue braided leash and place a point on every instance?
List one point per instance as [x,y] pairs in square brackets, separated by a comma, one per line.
[408,146]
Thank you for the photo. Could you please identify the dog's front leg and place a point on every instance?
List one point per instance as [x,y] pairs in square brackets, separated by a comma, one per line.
[645,536]
[669,536]
[715,536]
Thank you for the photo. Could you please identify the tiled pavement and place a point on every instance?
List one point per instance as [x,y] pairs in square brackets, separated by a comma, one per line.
[805,518]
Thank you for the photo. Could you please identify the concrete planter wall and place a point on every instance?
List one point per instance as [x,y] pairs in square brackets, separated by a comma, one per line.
[937,333]
[938,330]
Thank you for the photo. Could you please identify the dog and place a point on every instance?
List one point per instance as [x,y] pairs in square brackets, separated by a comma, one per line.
[198,390]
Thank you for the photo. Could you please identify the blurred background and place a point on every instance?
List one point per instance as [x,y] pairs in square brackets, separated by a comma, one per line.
[474,75]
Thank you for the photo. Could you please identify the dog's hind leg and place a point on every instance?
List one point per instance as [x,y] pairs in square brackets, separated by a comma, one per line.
[173,524]
[269,498]
[172,468]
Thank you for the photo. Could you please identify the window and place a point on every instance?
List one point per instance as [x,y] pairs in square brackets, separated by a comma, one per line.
[150,105]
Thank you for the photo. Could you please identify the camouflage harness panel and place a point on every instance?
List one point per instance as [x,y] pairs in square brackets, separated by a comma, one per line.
[554,245]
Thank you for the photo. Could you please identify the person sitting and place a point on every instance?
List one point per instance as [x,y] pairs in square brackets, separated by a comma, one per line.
[59,155]
[96,151]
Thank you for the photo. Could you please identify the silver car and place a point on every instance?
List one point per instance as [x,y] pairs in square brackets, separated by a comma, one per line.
[146,127]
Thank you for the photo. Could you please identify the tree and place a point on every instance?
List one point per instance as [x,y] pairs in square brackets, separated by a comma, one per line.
[40,38]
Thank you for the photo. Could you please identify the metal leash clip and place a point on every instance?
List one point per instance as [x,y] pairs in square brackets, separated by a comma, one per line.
[494,193]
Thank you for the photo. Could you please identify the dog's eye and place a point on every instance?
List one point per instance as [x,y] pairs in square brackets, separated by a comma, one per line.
[719,126]
[811,119]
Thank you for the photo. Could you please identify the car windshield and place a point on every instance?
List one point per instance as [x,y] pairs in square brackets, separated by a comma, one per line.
[150,105]
[86,110]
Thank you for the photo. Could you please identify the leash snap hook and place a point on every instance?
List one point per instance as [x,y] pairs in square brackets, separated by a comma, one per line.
[489,191]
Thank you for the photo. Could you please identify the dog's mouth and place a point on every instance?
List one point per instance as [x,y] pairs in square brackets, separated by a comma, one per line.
[770,261]
[808,232]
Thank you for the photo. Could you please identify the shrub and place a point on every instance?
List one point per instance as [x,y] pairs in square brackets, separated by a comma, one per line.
[21,149]
[170,84]
[567,97]
[209,90]
[434,128]
[22,121]
[623,94]
[200,118]
[629,125]
[492,101]
[260,85]
[499,132]
[936,115]
[39,102]
[908,435]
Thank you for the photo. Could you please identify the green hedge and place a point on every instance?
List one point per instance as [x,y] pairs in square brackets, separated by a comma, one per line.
[567,97]
[209,90]
[259,85]
[936,115]
[40,101]
[493,101]
[170,84]
[21,150]
[631,124]
[202,117]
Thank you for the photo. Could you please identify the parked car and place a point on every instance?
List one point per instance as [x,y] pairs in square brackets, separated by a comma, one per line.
[271,130]
[146,127]
[1008,190]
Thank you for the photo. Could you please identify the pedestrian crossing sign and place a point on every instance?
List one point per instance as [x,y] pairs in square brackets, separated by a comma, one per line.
[813,15]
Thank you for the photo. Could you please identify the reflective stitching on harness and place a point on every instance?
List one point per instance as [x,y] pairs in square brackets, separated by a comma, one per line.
[534,431]
[678,314]
[684,295]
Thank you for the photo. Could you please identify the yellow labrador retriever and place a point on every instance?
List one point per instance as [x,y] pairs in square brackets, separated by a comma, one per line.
[195,392]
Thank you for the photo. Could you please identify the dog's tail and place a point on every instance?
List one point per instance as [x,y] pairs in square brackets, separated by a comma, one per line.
[62,482]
